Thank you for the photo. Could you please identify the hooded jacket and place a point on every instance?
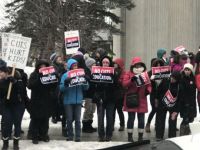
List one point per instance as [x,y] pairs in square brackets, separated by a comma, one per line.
[119,90]
[72,95]
[132,88]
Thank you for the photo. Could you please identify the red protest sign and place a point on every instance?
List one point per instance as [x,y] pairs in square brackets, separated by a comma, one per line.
[142,79]
[76,72]
[161,72]
[102,74]
[47,70]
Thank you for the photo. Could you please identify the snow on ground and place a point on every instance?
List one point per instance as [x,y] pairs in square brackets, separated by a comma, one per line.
[89,140]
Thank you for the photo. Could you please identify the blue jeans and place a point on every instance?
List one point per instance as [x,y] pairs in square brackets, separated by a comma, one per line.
[131,119]
[12,115]
[73,113]
[101,109]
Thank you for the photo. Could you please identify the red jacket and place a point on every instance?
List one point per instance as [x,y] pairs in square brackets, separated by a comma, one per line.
[142,91]
[131,87]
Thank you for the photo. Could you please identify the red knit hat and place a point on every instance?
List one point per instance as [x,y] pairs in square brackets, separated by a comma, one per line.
[120,62]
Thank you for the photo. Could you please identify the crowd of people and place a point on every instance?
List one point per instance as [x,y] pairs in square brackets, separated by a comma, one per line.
[61,102]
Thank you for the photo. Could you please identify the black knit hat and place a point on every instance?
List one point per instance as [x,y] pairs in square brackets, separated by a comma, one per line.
[3,66]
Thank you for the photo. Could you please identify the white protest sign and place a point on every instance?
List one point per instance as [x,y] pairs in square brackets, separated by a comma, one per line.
[17,51]
[72,41]
[4,43]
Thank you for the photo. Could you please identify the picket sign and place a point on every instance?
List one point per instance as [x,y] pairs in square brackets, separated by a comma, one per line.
[4,42]
[72,41]
[15,50]
[10,85]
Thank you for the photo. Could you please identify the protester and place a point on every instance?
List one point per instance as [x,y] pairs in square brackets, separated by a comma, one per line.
[162,54]
[58,64]
[167,100]
[187,98]
[89,106]
[140,97]
[12,108]
[105,104]
[73,97]
[155,86]
[41,107]
[119,91]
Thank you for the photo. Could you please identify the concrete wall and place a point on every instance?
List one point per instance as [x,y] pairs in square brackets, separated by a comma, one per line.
[154,24]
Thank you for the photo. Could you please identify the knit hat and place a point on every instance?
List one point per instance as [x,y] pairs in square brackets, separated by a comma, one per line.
[189,66]
[70,62]
[89,62]
[82,50]
[176,75]
[161,52]
[3,66]
[53,57]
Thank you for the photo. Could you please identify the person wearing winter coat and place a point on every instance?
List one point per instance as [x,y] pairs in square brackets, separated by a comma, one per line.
[89,106]
[179,62]
[167,101]
[105,104]
[119,91]
[58,64]
[155,86]
[197,77]
[136,68]
[73,97]
[12,108]
[187,98]
[162,54]
[41,104]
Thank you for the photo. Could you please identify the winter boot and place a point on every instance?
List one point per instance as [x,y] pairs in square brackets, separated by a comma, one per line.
[121,128]
[5,145]
[147,128]
[16,144]
[91,127]
[182,130]
[87,128]
[130,137]
[140,136]
[64,132]
[187,130]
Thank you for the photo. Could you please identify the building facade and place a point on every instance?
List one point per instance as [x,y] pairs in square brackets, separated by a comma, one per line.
[155,24]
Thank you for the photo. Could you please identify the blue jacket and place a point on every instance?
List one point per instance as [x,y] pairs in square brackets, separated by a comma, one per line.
[72,95]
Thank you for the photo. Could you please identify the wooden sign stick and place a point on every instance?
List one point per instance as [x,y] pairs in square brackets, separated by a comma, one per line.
[10,85]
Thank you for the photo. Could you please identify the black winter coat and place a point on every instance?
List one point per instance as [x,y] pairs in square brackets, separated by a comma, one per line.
[42,97]
[18,92]
[188,97]
[174,88]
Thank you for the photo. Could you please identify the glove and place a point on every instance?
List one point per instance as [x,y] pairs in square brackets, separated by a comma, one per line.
[12,79]
[133,79]
[66,82]
[152,77]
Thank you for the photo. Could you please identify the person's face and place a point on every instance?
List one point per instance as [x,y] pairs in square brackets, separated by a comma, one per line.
[105,63]
[59,60]
[3,75]
[187,72]
[165,55]
[75,66]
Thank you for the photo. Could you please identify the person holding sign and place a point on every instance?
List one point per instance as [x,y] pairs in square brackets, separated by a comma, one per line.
[105,100]
[42,83]
[135,98]
[73,96]
[168,97]
[13,108]
[155,86]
